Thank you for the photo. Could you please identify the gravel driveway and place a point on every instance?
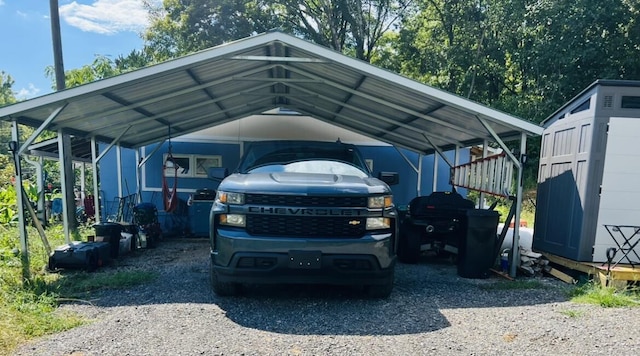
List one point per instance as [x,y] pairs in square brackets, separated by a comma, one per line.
[431,311]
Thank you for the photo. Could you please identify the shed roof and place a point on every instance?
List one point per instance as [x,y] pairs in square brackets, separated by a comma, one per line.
[258,74]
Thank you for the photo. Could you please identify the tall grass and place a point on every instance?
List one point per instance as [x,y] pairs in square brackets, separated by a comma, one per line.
[29,309]
[607,297]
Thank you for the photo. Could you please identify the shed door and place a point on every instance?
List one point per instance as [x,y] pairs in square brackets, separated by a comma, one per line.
[620,194]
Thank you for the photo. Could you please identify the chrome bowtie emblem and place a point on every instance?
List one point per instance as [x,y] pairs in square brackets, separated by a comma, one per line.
[354,222]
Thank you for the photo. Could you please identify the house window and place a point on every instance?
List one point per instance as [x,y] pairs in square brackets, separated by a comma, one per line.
[203,163]
[179,165]
[189,166]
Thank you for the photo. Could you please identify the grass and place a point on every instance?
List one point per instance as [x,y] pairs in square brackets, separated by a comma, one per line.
[606,297]
[572,313]
[29,309]
[513,285]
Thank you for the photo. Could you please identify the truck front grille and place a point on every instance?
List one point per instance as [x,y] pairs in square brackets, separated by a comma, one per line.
[306,201]
[308,226]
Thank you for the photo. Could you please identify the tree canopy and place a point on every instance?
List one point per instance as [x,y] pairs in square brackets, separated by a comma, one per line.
[524,57]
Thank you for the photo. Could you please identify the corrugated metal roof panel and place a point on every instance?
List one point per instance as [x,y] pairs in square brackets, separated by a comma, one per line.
[257,74]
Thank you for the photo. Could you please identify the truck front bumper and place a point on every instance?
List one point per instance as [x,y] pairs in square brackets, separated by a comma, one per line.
[240,258]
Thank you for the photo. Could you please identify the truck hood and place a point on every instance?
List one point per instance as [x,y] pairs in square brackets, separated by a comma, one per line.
[303,184]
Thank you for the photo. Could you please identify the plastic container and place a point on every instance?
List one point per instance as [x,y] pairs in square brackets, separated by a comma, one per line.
[476,254]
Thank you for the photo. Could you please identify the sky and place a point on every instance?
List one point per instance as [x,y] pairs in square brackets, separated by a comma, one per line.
[88,28]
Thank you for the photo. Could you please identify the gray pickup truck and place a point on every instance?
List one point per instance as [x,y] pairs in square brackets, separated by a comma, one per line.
[303,212]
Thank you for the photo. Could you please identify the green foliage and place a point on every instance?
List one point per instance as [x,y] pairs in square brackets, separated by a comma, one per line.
[349,26]
[521,57]
[7,96]
[608,297]
[28,309]
[186,26]
[8,204]
[102,67]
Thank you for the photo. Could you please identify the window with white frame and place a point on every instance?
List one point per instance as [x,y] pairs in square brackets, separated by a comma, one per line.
[186,166]
[204,163]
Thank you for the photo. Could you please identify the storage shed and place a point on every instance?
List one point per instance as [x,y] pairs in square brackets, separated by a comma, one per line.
[588,192]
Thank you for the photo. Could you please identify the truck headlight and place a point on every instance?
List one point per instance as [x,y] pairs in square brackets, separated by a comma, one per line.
[380,201]
[230,198]
[237,220]
[378,223]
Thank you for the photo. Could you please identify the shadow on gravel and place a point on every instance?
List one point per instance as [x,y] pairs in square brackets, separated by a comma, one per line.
[421,291]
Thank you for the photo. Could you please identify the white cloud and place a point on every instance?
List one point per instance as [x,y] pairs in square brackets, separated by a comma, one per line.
[106,16]
[26,93]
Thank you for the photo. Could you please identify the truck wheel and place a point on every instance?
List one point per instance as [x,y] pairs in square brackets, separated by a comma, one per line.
[222,289]
[380,291]
[409,245]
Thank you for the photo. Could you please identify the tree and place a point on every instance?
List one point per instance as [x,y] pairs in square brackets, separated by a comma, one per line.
[7,96]
[349,26]
[527,58]
[186,26]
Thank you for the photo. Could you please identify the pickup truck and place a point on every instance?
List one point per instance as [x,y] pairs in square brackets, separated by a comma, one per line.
[303,212]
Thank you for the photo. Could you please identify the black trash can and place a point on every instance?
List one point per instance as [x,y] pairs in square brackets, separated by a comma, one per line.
[477,246]
[109,232]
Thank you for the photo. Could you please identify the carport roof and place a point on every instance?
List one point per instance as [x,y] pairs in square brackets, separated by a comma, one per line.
[261,73]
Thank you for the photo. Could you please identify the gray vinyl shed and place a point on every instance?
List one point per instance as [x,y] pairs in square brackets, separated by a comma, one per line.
[269,71]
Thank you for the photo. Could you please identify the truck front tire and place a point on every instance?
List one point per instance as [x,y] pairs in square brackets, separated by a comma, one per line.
[221,289]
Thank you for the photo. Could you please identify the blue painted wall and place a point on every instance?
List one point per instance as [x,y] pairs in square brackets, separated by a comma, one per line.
[385,158]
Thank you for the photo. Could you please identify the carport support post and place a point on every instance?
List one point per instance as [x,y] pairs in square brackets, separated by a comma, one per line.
[515,248]
[24,246]
[485,151]
[119,169]
[66,182]
[434,186]
[138,177]
[419,190]
[96,191]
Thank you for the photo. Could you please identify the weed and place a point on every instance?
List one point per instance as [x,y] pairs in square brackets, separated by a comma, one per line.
[608,297]
[572,313]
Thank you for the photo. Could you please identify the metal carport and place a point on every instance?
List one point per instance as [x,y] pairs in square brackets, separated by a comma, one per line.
[258,74]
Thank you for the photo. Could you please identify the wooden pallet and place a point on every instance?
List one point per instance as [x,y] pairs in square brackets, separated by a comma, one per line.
[617,277]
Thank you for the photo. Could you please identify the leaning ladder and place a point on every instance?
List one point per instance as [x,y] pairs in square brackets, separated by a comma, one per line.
[491,175]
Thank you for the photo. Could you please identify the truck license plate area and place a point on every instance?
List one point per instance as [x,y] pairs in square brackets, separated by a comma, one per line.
[305,259]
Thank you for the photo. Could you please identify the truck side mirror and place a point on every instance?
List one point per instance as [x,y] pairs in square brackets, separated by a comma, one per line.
[391,178]
[218,173]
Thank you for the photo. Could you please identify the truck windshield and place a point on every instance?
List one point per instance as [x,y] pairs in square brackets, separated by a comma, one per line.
[312,166]
[308,157]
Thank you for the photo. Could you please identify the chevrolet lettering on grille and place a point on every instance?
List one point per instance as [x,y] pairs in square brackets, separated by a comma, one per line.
[304,211]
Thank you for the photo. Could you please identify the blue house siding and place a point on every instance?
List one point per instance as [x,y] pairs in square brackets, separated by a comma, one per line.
[108,178]
[183,220]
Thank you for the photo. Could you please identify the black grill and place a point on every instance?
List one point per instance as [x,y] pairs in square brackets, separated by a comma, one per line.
[305,201]
[274,225]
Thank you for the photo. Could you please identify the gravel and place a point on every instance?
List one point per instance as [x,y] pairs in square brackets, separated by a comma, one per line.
[431,311]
